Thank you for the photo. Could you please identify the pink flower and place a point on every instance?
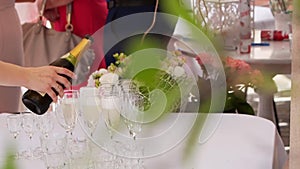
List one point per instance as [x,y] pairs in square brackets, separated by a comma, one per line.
[257,78]
[237,72]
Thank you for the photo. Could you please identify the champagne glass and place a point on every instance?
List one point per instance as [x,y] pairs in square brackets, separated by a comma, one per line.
[132,108]
[90,107]
[54,150]
[28,127]
[45,124]
[132,113]
[110,105]
[66,110]
[14,124]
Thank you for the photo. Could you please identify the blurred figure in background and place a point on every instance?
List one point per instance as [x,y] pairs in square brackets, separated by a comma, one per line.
[122,8]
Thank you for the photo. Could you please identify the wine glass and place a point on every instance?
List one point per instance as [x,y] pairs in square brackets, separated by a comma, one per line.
[66,110]
[90,107]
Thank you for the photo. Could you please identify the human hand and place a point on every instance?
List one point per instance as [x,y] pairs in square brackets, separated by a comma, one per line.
[46,78]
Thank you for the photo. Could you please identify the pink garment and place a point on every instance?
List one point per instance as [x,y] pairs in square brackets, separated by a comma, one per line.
[88,16]
[11,50]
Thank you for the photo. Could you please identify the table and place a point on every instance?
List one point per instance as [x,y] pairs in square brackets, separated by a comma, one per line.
[227,141]
[270,60]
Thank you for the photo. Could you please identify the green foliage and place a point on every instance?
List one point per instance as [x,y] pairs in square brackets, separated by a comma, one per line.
[156,79]
[9,161]
[236,102]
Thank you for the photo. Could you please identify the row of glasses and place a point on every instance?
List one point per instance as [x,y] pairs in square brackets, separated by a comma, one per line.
[122,101]
[110,103]
[28,123]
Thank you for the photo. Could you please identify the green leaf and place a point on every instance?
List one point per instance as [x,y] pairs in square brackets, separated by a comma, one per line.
[230,105]
[240,96]
[245,108]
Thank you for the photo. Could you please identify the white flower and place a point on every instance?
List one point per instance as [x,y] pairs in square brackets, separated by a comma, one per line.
[109,78]
[178,72]
[91,81]
[102,71]
[170,70]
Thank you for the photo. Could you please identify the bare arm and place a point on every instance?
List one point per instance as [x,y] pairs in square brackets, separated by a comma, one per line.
[37,78]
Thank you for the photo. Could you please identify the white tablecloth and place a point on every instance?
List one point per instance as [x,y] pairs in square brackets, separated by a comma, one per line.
[228,141]
[238,141]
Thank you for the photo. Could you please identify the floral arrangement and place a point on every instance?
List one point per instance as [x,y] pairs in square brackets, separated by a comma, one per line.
[167,78]
[172,66]
[239,76]
[109,75]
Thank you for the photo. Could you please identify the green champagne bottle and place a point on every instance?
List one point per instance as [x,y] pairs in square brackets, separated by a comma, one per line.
[38,102]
